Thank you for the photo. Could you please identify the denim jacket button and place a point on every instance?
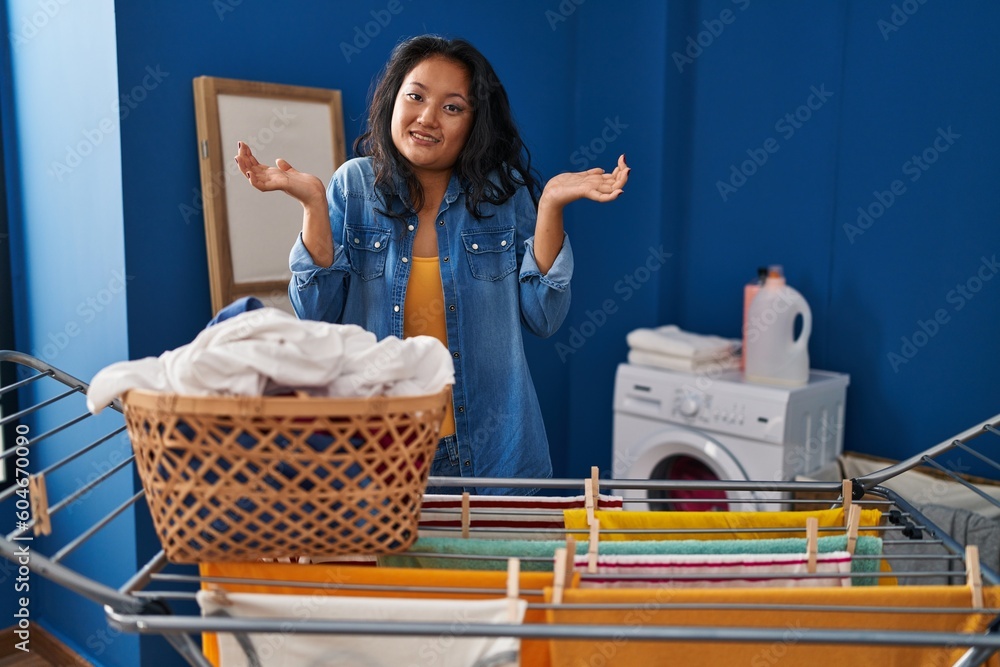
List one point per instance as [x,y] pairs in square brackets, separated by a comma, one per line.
[446,259]
[461,408]
[405,260]
[454,355]
[395,309]
[451,307]
[468,463]
[441,221]
[410,227]
[475,246]
[378,245]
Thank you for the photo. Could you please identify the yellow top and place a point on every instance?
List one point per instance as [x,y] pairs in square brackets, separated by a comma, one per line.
[423,313]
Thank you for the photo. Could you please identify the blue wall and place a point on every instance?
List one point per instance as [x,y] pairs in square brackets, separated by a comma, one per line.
[610,77]
[895,80]
[66,229]
[630,81]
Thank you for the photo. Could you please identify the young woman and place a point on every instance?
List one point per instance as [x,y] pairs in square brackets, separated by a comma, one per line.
[437,229]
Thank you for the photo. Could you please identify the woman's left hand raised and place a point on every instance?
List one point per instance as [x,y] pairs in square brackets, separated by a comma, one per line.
[592,184]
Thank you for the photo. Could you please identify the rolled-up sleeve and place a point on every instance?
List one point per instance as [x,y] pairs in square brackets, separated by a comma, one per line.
[545,298]
[319,292]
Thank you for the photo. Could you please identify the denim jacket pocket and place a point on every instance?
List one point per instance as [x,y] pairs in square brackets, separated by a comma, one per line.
[491,253]
[366,250]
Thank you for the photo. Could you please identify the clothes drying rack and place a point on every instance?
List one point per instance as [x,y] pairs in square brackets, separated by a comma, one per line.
[55,428]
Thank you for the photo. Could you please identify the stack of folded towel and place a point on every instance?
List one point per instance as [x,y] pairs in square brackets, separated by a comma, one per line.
[672,348]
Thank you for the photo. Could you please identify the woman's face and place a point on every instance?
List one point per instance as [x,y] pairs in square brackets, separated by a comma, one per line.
[432,116]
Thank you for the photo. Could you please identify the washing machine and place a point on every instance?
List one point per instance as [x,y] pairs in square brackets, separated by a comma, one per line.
[671,425]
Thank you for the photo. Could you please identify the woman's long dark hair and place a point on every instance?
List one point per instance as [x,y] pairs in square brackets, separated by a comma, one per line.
[494,161]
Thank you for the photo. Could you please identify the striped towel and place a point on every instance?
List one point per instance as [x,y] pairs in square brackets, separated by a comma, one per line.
[716,570]
[519,517]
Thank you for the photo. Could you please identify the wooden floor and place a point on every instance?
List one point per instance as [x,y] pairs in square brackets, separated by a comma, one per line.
[25,660]
[46,651]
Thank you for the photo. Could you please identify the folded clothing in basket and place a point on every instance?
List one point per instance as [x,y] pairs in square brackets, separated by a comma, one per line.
[267,351]
[239,649]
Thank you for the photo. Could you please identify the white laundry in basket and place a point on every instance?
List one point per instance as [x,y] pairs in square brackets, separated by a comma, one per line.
[268,351]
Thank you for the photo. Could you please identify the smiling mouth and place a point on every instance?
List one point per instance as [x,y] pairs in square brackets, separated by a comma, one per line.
[425,138]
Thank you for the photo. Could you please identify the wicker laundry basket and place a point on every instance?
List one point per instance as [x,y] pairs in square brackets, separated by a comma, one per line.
[244,478]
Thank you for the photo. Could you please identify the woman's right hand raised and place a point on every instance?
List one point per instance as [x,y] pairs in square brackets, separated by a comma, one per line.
[306,188]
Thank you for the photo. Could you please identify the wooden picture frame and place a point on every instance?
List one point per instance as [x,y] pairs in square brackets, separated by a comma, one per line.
[248,234]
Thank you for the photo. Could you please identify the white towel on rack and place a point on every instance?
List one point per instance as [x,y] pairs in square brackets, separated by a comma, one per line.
[268,351]
[672,340]
[291,649]
[717,571]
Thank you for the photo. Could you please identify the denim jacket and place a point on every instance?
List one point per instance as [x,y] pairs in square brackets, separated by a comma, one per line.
[491,286]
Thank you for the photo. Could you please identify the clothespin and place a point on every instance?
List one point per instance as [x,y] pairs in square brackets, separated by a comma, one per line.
[39,505]
[973,575]
[563,568]
[595,536]
[847,493]
[812,543]
[513,588]
[466,519]
[559,576]
[220,596]
[853,523]
[595,485]
[588,499]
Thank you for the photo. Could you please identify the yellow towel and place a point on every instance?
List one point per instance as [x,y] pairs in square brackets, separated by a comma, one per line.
[744,523]
[533,652]
[573,653]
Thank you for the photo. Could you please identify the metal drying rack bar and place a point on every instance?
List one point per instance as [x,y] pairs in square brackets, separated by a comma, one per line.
[136,607]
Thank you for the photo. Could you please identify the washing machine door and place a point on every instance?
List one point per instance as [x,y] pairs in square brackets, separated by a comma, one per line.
[676,452]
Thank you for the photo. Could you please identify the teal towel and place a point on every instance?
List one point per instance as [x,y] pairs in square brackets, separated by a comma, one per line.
[503,549]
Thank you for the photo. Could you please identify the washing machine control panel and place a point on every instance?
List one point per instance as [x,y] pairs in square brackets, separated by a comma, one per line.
[706,409]
[688,405]
[727,414]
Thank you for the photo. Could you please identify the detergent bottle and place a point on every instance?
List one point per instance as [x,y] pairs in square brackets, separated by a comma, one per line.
[749,292]
[773,354]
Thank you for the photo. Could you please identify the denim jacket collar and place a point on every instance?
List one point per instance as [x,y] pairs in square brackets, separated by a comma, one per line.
[455,188]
